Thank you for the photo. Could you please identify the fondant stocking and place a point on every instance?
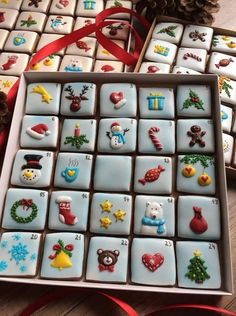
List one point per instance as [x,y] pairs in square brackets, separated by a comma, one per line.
[66,216]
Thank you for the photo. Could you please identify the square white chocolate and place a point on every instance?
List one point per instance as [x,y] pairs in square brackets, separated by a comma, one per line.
[192,58]
[161,51]
[84,47]
[13,64]
[3,37]
[81,22]
[196,174]
[11,4]
[170,32]
[108,66]
[222,64]
[50,63]
[154,215]
[59,24]
[63,7]
[227,89]
[19,254]
[153,262]
[31,21]
[199,217]
[195,136]
[8,18]
[228,146]
[185,71]
[39,131]
[35,6]
[6,82]
[75,63]
[226,118]
[119,4]
[197,36]
[19,41]
[154,68]
[102,53]
[153,175]
[47,39]
[196,251]
[89,8]
[223,43]
[117,30]
[194,101]
[32,168]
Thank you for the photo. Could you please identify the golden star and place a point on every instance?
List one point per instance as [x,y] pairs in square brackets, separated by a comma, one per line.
[105,222]
[119,215]
[5,1]
[197,253]
[106,206]
[7,84]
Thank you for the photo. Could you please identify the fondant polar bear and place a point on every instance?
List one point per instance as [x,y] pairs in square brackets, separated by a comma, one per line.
[153,222]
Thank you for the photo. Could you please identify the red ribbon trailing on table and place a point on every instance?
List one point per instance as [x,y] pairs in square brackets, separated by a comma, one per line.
[108,44]
[52,296]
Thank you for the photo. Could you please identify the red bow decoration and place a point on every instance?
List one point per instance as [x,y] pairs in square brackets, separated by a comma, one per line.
[110,268]
[26,204]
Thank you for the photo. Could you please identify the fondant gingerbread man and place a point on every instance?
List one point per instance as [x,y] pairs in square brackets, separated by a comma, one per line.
[196,133]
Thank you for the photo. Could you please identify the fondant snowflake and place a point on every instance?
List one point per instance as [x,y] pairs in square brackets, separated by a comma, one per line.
[18,252]
[16,237]
[33,257]
[23,268]
[3,265]
[4,244]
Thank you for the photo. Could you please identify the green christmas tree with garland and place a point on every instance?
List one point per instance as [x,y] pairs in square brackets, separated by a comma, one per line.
[197,271]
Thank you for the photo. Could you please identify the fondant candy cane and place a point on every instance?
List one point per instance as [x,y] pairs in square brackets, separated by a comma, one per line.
[154,138]
[191,55]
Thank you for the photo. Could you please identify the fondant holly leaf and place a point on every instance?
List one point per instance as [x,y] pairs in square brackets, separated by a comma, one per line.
[215,41]
[204,160]
[169,30]
[226,87]
[76,141]
[193,101]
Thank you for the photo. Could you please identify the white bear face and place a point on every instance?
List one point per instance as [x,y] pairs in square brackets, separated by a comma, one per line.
[154,210]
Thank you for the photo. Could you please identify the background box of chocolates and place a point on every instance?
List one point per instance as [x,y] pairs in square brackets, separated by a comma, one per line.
[178,47]
[116,183]
[26,26]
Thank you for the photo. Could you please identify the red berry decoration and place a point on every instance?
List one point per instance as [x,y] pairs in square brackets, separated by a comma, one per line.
[69,247]
[198,224]
[56,247]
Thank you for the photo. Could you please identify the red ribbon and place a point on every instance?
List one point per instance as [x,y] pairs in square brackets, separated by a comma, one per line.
[26,203]
[102,267]
[57,294]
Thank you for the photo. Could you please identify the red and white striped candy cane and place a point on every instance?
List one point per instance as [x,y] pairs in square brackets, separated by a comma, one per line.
[154,138]
[191,55]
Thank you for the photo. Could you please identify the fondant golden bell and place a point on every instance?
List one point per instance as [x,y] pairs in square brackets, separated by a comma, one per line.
[61,261]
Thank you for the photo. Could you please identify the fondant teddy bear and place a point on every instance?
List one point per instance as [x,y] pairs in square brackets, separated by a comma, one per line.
[153,223]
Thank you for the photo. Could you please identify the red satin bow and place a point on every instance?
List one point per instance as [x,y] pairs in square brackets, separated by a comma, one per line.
[102,267]
[26,203]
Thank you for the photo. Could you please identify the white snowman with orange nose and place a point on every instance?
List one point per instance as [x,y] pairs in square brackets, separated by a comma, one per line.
[31,171]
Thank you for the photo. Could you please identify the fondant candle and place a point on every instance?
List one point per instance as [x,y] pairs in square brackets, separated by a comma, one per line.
[77,130]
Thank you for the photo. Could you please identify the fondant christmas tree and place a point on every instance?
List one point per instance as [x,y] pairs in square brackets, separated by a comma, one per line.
[61,258]
[197,271]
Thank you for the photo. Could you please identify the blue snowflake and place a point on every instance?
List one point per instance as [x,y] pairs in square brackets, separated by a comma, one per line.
[33,257]
[4,244]
[3,265]
[18,252]
[16,237]
[23,268]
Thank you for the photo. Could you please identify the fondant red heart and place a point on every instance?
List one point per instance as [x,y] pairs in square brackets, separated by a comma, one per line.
[204,178]
[115,97]
[152,262]
[188,170]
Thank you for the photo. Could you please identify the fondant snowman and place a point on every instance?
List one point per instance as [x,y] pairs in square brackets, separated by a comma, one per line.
[57,23]
[117,135]
[153,223]
[31,171]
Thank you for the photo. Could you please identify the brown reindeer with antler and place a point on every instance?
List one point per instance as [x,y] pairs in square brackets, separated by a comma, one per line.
[76,99]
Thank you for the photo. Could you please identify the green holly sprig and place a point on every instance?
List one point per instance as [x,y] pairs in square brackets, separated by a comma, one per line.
[215,41]
[194,101]
[226,87]
[204,160]
[169,30]
[76,141]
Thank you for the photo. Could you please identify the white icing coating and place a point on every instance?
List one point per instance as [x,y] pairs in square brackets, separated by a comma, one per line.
[161,51]
[104,54]
[123,4]
[13,64]
[197,36]
[75,63]
[108,66]
[228,146]
[152,67]
[41,6]
[170,32]
[9,18]
[193,58]
[31,21]
[84,47]
[226,118]
[47,39]
[62,7]
[222,64]
[89,8]
[59,24]
[224,44]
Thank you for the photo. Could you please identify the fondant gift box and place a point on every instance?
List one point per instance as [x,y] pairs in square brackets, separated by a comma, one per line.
[125,196]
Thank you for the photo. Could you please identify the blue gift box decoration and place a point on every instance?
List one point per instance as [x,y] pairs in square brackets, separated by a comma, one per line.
[89,4]
[156,101]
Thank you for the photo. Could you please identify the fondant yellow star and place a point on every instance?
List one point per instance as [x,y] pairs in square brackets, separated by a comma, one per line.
[105,52]
[119,215]
[105,222]
[197,253]
[7,84]
[106,206]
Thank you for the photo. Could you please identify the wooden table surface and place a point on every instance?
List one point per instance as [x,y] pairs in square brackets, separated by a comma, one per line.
[15,297]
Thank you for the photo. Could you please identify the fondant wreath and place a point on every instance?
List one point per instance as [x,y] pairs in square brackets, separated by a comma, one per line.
[26,205]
